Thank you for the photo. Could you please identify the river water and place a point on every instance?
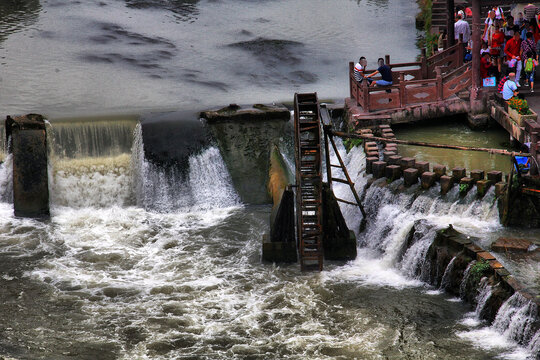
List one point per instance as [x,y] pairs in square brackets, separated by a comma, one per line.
[141,263]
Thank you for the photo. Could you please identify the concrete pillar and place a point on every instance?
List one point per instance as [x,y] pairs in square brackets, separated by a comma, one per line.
[393,172]
[407,162]
[477,175]
[387,155]
[427,179]
[500,188]
[482,186]
[369,163]
[410,176]
[422,166]
[494,176]
[395,160]
[378,168]
[30,178]
[439,170]
[466,183]
[458,173]
[446,183]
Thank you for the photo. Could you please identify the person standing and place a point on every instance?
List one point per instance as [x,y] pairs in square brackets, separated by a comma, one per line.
[490,20]
[495,47]
[530,11]
[513,55]
[462,27]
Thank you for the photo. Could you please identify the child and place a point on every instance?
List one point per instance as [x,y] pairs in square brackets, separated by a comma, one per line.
[529,67]
[484,48]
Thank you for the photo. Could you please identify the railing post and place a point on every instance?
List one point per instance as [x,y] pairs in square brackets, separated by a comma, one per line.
[450,22]
[438,76]
[460,53]
[387,59]
[365,105]
[423,65]
[402,96]
[534,153]
[351,76]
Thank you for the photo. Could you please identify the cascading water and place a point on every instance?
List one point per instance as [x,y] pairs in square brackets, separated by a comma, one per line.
[484,293]
[516,318]
[447,274]
[6,179]
[466,274]
[206,185]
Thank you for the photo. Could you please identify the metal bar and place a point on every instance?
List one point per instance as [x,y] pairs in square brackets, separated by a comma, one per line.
[346,173]
[340,180]
[346,202]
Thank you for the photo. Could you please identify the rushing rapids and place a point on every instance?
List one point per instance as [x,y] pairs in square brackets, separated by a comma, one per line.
[141,261]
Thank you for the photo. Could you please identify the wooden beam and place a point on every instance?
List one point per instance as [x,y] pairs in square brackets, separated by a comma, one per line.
[419,143]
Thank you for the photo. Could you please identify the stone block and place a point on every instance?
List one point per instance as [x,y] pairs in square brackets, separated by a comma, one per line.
[378,168]
[393,172]
[369,163]
[407,162]
[372,154]
[422,166]
[458,173]
[502,272]
[439,170]
[387,130]
[278,252]
[388,135]
[446,183]
[484,255]
[371,143]
[500,188]
[387,155]
[368,135]
[482,186]
[30,176]
[465,184]
[494,176]
[395,160]
[496,265]
[511,244]
[391,144]
[477,175]
[371,149]
[427,179]
[384,126]
[365,131]
[410,176]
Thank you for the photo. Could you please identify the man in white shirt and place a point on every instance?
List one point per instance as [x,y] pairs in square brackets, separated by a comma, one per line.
[462,27]
[510,88]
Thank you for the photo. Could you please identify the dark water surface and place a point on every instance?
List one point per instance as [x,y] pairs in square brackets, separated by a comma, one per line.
[72,57]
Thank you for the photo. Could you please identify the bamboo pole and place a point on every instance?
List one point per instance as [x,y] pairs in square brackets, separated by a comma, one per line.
[440,146]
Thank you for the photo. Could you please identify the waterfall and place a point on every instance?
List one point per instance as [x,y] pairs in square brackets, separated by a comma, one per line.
[534,345]
[447,273]
[515,319]
[206,185]
[466,274]
[484,293]
[6,179]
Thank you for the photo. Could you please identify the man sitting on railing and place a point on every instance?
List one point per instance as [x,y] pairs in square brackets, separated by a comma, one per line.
[510,88]
[386,74]
[359,71]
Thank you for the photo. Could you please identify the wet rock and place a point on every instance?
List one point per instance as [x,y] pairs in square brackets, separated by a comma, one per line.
[511,244]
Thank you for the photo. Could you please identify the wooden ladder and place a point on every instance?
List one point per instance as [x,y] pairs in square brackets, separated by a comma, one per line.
[308,181]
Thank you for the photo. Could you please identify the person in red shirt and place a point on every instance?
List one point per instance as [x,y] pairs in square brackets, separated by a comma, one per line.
[495,46]
[513,55]
[486,67]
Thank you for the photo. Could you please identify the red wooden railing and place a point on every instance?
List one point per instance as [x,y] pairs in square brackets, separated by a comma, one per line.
[424,83]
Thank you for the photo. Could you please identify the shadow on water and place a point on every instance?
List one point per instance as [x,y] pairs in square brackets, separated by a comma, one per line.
[184,10]
[17,14]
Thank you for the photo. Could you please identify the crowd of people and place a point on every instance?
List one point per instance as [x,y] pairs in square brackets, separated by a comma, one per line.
[510,45]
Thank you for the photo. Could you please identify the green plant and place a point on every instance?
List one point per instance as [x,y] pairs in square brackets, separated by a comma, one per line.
[520,105]
[350,143]
[478,271]
[463,188]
